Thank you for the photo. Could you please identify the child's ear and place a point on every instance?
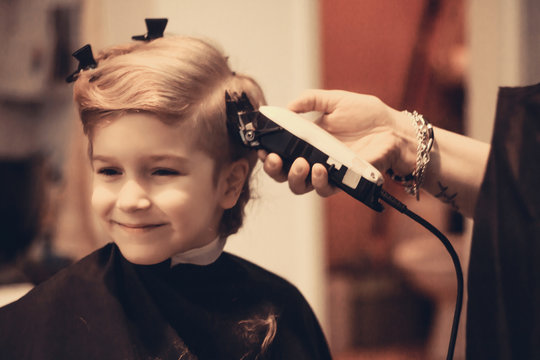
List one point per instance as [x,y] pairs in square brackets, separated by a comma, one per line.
[233,179]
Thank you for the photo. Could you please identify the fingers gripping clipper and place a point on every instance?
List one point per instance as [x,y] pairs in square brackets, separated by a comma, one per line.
[291,136]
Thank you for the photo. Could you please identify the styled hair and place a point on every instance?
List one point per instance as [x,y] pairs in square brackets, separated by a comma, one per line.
[179,80]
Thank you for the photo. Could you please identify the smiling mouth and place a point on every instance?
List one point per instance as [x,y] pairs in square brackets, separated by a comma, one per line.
[138,228]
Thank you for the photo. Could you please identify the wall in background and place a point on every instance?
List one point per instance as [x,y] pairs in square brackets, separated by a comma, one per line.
[504,43]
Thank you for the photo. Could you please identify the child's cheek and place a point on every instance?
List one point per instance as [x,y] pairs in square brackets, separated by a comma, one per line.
[103,200]
[172,200]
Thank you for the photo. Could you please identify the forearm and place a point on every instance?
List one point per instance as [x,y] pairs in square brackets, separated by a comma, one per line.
[456,170]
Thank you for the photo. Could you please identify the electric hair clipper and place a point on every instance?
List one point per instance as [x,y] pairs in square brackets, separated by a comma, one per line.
[289,135]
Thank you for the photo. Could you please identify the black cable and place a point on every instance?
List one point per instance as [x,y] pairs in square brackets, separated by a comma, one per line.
[396,204]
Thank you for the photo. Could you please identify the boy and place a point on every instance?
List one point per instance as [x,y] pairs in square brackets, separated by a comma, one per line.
[169,186]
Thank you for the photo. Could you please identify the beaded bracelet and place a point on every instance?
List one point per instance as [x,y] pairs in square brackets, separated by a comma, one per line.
[425,137]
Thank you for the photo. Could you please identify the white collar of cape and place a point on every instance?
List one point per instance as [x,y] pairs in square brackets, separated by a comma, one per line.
[204,255]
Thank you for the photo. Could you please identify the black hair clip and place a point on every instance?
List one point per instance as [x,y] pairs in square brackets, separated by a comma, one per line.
[155,28]
[86,61]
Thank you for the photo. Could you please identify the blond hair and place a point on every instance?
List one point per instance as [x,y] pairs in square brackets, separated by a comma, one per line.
[180,80]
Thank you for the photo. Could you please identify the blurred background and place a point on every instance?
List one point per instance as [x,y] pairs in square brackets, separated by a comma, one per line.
[381,286]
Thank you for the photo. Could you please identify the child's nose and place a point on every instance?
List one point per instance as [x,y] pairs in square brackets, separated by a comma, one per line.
[132,197]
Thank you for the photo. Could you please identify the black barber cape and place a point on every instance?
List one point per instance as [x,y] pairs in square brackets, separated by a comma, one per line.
[104,307]
[503,320]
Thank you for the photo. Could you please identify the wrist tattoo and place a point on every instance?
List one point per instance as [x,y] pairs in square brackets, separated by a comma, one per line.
[445,197]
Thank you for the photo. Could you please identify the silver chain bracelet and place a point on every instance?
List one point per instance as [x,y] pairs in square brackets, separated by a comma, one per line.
[425,138]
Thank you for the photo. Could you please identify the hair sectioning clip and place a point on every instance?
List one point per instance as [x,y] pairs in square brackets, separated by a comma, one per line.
[155,28]
[291,136]
[86,61]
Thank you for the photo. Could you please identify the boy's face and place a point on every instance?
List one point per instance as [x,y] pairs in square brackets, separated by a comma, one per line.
[153,190]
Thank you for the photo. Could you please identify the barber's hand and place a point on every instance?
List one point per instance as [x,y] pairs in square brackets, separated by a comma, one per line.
[298,174]
[373,130]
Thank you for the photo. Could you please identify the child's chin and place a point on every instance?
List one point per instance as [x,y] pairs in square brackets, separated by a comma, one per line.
[142,255]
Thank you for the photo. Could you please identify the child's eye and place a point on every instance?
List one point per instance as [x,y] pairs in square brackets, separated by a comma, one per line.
[108,172]
[165,172]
